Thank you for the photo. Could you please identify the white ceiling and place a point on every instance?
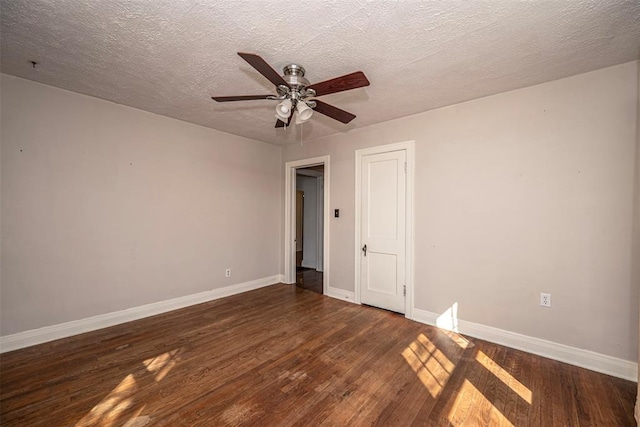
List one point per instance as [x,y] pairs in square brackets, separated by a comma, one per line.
[169,57]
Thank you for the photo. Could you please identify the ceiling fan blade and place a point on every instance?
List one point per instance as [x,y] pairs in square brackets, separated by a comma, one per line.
[239,98]
[339,84]
[280,123]
[263,68]
[333,112]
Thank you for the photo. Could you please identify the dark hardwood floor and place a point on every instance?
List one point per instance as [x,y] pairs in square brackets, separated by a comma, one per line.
[309,278]
[282,355]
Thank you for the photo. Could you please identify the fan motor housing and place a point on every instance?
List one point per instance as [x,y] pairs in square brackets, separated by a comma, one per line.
[294,76]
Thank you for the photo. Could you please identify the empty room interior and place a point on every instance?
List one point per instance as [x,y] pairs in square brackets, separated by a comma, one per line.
[319,213]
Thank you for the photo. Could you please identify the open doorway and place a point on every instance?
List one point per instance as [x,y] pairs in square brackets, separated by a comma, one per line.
[306,241]
[310,227]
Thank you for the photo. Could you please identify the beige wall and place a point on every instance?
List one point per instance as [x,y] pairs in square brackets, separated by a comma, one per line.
[106,207]
[519,193]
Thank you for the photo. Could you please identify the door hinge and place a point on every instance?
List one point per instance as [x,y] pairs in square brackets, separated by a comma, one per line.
[405,167]
[404,290]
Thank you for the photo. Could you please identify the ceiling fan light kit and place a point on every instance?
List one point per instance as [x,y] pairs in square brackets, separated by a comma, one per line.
[304,112]
[283,110]
[294,92]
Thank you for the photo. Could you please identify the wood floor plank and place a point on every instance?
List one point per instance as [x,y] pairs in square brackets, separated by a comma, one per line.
[522,372]
[286,356]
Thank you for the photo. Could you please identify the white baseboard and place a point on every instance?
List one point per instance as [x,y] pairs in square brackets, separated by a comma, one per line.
[63,330]
[307,264]
[574,356]
[341,294]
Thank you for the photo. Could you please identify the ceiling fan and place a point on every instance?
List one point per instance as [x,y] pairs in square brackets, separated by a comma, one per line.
[295,92]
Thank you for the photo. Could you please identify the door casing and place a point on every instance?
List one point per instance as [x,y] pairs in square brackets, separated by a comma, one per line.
[409,148]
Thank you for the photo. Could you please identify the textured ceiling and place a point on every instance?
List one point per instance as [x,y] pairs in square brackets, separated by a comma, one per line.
[169,57]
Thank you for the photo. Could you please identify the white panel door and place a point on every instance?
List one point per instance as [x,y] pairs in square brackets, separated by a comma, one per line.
[383,230]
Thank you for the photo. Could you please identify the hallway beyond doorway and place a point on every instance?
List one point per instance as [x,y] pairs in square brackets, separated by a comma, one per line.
[309,278]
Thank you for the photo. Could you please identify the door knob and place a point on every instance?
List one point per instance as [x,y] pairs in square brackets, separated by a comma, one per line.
[364,249]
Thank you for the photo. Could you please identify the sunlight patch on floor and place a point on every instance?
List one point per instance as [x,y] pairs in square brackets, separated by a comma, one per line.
[162,364]
[464,408]
[111,409]
[462,342]
[431,366]
[138,420]
[115,403]
[505,377]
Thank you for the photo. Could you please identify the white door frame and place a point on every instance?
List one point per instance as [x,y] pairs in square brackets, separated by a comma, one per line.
[290,218]
[319,224]
[409,148]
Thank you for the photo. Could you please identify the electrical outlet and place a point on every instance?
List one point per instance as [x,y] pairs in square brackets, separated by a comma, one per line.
[227,272]
[545,300]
